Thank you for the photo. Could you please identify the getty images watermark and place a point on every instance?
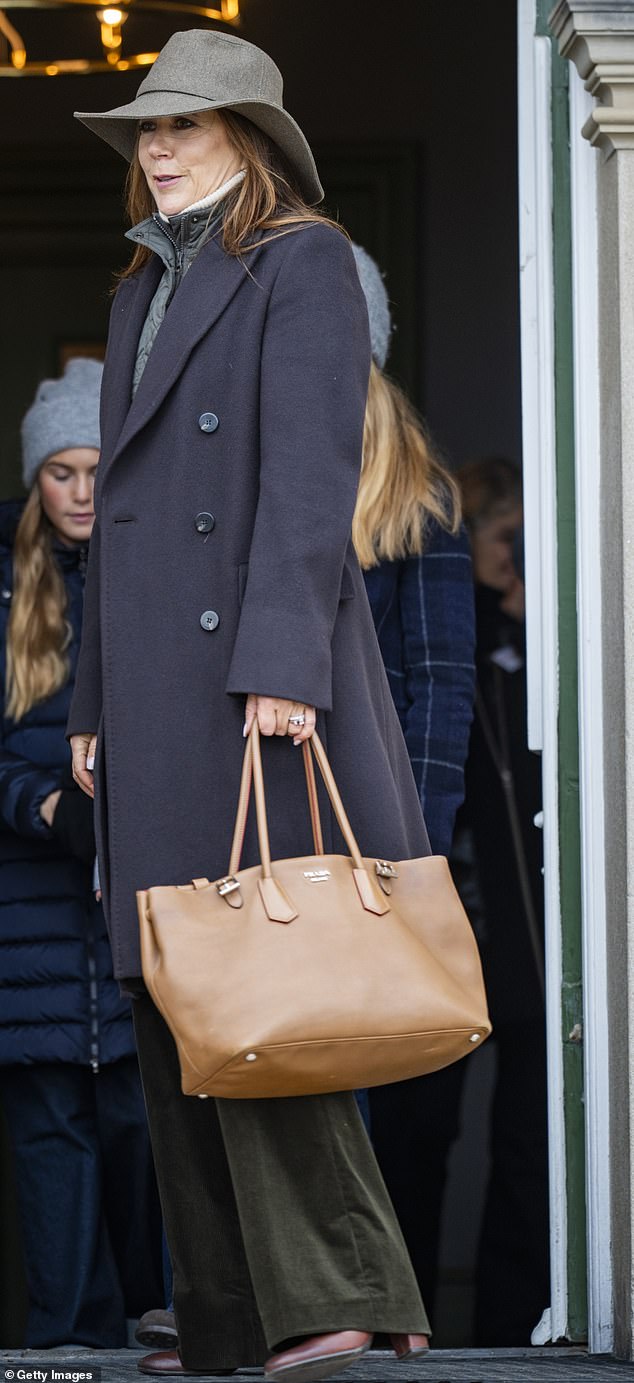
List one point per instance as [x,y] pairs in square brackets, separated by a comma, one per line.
[48,1373]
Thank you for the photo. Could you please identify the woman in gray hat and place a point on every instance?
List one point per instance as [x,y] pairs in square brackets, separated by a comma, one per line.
[223,586]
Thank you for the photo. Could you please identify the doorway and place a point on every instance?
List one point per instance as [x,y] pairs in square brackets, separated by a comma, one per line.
[415,127]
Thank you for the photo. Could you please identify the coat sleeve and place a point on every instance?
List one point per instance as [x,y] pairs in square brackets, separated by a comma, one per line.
[23,787]
[314,378]
[85,707]
[438,622]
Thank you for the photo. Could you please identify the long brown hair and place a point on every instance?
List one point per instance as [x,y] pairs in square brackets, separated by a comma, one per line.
[402,483]
[38,632]
[268,198]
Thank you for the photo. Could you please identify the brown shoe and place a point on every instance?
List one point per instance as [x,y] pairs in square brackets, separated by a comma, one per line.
[318,1357]
[168,1363]
[157,1330]
[409,1346]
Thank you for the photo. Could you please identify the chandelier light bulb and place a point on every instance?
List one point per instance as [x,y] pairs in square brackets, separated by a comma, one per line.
[110,19]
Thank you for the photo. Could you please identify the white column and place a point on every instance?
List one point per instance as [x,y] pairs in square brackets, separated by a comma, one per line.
[540,518]
[585,253]
[598,37]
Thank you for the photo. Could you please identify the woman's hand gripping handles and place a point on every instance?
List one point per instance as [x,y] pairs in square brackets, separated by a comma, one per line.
[275,716]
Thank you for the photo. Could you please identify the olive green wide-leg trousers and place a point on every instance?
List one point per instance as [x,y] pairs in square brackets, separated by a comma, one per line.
[277,1218]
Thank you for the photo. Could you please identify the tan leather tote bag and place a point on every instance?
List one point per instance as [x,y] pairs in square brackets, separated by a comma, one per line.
[301,976]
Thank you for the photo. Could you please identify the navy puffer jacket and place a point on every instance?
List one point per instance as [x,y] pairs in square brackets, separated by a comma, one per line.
[58,1000]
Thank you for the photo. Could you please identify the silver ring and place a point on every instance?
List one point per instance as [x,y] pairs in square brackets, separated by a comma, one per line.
[297,720]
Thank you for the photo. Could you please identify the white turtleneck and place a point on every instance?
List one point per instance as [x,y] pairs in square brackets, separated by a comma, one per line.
[212,200]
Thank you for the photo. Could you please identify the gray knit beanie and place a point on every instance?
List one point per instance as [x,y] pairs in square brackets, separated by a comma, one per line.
[64,414]
[378,304]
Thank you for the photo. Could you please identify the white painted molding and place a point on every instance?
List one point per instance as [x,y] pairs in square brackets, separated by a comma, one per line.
[537,355]
[585,262]
[598,37]
[540,513]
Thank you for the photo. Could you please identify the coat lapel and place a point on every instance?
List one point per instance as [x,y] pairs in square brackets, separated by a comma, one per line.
[203,295]
[129,311]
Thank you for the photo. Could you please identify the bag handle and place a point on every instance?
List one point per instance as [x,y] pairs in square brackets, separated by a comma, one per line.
[252,772]
[279,907]
[313,800]
[244,798]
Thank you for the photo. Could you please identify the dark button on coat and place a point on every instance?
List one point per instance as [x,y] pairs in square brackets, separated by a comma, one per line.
[287,347]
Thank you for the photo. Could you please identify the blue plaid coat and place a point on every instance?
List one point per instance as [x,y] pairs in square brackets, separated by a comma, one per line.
[424,616]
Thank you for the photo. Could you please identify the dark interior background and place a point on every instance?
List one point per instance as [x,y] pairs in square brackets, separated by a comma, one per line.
[413,119]
[411,109]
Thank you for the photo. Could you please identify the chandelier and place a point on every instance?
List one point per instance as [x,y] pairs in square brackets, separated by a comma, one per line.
[15,60]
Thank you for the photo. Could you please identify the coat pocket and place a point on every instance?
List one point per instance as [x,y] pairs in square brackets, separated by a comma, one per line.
[347,583]
[243,573]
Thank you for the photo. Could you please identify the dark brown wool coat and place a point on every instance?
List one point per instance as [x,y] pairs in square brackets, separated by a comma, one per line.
[280,356]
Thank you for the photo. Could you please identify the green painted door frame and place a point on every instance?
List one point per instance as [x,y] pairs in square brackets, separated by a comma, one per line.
[568,713]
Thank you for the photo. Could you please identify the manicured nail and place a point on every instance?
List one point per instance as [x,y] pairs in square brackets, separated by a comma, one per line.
[245,731]
[90,762]
[296,742]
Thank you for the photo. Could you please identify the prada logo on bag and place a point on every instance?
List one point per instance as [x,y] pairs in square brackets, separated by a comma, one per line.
[316,876]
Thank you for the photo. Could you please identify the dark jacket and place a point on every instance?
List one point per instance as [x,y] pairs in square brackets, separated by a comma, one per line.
[510,969]
[250,409]
[58,1000]
[424,618]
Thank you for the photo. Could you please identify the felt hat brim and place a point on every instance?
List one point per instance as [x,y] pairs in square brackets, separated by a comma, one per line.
[118,128]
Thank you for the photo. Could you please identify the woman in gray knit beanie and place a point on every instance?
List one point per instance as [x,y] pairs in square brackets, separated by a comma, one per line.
[60,450]
[92,1257]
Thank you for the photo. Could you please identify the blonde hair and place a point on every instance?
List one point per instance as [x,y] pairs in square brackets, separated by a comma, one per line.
[267,199]
[402,481]
[38,632]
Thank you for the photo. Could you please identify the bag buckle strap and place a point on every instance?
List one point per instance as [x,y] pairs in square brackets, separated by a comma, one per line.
[385,872]
[228,885]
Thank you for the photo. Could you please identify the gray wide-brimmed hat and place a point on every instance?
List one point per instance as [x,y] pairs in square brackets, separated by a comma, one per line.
[202,69]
